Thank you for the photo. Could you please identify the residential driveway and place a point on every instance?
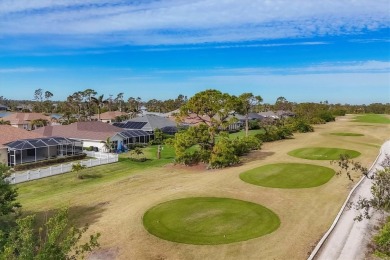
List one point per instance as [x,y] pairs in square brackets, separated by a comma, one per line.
[349,238]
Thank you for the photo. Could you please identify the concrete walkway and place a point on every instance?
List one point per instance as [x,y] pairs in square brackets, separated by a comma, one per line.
[348,240]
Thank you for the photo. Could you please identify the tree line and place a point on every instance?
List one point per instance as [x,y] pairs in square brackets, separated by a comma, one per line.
[88,102]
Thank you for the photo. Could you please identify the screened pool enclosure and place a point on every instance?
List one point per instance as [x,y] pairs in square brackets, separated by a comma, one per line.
[39,149]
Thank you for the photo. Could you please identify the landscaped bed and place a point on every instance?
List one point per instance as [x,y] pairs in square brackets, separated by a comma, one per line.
[209,221]
[288,175]
[322,153]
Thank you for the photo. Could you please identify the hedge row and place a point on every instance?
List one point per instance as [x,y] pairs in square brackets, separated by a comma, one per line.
[29,166]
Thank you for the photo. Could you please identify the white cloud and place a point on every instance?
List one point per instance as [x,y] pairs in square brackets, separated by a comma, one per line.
[22,70]
[116,22]
[320,68]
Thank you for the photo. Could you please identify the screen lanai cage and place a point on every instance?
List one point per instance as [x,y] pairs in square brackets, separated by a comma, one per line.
[39,149]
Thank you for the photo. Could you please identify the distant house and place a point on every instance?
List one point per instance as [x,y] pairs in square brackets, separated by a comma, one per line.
[110,116]
[269,114]
[149,123]
[251,117]
[10,134]
[24,108]
[4,108]
[193,120]
[284,113]
[95,133]
[23,120]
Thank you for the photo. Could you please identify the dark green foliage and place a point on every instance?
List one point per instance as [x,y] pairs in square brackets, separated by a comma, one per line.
[253,124]
[55,240]
[339,112]
[299,125]
[223,154]
[327,116]
[9,207]
[29,166]
[8,194]
[275,133]
[245,144]
[226,151]
[382,241]
[158,137]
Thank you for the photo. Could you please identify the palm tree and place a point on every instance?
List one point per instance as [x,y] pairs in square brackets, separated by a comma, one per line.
[100,102]
[107,145]
[38,123]
[137,151]
[77,167]
[2,122]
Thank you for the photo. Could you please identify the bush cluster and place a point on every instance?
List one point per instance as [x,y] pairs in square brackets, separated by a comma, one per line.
[27,166]
[226,151]
[275,133]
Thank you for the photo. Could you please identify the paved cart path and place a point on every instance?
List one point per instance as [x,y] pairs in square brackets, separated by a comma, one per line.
[349,238]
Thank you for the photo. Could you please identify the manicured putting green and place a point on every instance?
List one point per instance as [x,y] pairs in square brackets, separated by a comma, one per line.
[288,175]
[322,153]
[209,220]
[347,134]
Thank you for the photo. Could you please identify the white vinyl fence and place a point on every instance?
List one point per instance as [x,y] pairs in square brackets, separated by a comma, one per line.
[100,159]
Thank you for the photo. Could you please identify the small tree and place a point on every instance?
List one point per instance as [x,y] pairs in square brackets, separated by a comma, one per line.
[8,204]
[380,188]
[55,240]
[247,102]
[137,151]
[77,168]
[107,145]
[2,122]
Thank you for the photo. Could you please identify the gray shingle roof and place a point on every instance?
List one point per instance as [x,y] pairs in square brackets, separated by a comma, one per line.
[153,122]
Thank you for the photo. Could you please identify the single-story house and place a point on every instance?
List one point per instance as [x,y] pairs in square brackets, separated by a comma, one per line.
[194,119]
[149,123]
[23,108]
[18,146]
[23,120]
[285,113]
[10,134]
[269,114]
[95,134]
[110,116]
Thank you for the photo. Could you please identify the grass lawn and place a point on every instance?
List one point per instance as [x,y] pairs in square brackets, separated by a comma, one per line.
[322,153]
[372,118]
[288,175]
[38,190]
[347,134]
[209,221]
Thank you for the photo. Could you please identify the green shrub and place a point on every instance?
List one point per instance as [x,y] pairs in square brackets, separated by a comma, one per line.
[28,166]
[327,116]
[253,124]
[90,148]
[382,241]
[339,112]
[223,154]
[301,126]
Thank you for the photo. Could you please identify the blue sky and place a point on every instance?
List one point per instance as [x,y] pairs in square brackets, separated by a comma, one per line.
[335,50]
